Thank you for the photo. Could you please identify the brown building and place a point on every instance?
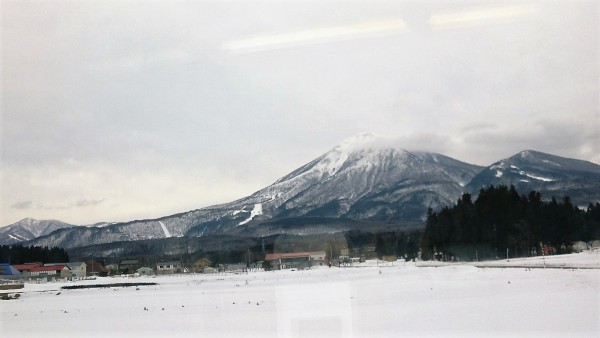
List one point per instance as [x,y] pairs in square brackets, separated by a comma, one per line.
[96,268]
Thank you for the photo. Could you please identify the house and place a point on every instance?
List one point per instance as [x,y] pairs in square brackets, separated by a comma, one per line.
[95,268]
[8,270]
[78,269]
[169,267]
[200,265]
[295,259]
[145,271]
[128,266]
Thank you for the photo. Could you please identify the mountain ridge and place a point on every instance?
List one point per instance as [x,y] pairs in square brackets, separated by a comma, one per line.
[365,179]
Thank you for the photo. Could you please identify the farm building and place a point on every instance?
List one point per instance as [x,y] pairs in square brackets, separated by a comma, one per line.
[25,269]
[297,260]
[61,271]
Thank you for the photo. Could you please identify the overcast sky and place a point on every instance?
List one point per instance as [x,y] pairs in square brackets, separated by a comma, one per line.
[121,110]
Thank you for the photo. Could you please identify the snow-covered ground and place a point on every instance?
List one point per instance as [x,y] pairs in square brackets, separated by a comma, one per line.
[584,260]
[375,300]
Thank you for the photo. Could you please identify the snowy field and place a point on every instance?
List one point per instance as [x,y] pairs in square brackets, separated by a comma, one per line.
[375,300]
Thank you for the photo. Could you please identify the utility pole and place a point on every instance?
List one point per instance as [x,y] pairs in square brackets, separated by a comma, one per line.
[543,254]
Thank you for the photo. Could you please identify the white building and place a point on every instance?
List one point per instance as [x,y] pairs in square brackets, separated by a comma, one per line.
[169,267]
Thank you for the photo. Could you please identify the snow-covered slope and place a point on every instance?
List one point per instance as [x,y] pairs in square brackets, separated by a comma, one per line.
[549,174]
[28,229]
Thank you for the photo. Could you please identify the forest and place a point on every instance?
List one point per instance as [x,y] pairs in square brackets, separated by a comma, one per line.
[502,223]
[19,254]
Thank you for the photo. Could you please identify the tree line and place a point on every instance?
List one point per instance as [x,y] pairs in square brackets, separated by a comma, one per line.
[19,254]
[500,223]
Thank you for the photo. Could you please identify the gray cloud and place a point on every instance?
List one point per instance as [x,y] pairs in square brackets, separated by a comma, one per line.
[140,104]
[86,202]
[22,205]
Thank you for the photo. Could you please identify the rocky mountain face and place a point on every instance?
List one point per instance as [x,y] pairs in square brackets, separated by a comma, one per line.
[28,229]
[552,176]
[365,181]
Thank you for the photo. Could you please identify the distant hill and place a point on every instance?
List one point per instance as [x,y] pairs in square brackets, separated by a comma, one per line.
[28,229]
[548,174]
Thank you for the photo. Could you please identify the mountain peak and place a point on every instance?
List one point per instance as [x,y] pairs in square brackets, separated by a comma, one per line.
[532,154]
[29,228]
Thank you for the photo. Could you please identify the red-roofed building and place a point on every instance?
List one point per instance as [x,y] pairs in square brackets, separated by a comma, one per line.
[291,260]
[61,271]
[25,269]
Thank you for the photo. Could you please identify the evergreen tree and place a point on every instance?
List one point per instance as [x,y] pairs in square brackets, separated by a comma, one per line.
[501,220]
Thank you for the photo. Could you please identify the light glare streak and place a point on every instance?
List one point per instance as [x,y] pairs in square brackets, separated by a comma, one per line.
[480,16]
[317,35]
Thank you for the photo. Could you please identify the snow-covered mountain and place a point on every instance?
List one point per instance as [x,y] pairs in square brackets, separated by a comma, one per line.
[364,181]
[366,178]
[549,174]
[28,229]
